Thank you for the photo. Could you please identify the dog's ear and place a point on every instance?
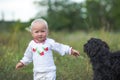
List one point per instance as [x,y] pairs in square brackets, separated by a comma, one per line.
[100,43]
[105,45]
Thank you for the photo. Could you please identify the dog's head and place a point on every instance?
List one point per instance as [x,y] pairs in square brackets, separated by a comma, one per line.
[94,45]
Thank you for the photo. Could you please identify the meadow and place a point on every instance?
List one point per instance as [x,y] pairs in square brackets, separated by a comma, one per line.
[13,45]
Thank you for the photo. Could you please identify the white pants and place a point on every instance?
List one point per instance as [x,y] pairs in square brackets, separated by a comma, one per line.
[45,75]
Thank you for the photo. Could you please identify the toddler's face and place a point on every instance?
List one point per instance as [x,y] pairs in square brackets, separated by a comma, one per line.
[39,32]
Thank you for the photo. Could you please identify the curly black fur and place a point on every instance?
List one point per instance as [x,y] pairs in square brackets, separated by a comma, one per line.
[106,64]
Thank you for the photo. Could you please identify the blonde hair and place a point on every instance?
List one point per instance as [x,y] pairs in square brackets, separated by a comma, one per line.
[39,21]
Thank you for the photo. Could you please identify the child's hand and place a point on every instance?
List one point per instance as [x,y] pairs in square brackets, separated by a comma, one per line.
[19,65]
[75,52]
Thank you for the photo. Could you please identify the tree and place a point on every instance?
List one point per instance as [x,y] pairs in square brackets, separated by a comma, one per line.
[114,14]
[97,13]
[64,15]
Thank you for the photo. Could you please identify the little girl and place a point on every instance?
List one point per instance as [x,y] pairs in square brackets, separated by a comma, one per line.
[39,51]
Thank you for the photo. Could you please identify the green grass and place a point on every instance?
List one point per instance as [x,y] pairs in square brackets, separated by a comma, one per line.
[13,45]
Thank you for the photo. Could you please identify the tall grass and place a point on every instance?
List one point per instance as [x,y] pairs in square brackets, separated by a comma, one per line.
[13,45]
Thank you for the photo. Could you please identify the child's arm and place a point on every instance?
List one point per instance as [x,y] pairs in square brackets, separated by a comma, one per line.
[63,49]
[27,58]
[75,52]
[19,65]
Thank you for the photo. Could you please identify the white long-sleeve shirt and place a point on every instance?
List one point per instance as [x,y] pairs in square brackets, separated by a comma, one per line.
[41,54]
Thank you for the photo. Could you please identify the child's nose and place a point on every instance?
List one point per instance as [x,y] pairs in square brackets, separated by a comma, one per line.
[39,33]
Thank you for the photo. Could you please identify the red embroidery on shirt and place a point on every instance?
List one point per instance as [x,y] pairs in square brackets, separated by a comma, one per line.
[46,49]
[42,53]
[33,49]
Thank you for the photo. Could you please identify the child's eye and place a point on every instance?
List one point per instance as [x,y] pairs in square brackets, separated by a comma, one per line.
[43,31]
[36,31]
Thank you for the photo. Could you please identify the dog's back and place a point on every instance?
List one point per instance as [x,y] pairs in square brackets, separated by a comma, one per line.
[115,62]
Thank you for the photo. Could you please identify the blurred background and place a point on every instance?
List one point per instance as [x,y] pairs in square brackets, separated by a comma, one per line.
[71,22]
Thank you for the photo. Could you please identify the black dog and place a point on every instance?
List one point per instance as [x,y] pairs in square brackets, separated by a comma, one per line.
[106,64]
